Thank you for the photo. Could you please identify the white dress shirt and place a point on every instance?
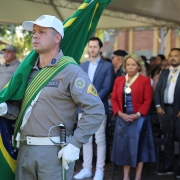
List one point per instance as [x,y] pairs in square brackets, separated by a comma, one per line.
[172,88]
[92,69]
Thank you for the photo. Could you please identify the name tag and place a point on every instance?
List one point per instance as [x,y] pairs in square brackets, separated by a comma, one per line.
[53,83]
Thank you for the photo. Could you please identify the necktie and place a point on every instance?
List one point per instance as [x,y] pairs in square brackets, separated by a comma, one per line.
[170,79]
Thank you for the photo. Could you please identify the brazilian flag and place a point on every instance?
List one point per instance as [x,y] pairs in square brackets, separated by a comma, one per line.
[8,154]
[78,29]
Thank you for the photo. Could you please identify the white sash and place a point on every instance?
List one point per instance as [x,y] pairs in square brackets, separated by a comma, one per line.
[26,117]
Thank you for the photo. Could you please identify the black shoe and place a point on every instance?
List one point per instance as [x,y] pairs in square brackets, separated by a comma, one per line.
[178,173]
[166,170]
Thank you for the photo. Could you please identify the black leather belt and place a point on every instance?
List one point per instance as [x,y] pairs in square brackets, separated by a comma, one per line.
[168,104]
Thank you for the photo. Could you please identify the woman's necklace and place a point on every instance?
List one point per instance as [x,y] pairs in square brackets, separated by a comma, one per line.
[128,84]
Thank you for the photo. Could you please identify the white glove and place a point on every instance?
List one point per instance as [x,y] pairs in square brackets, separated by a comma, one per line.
[3,108]
[69,154]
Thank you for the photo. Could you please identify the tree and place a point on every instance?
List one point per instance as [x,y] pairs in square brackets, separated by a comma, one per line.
[15,35]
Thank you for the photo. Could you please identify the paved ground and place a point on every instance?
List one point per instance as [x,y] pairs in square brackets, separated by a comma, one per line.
[118,172]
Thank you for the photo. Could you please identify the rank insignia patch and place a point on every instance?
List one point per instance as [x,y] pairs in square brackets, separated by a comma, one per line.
[91,90]
[53,61]
[79,83]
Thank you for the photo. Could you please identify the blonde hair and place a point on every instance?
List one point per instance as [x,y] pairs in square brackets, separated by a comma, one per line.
[136,58]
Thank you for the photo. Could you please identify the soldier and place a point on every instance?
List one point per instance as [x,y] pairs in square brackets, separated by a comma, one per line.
[7,69]
[65,87]
[10,65]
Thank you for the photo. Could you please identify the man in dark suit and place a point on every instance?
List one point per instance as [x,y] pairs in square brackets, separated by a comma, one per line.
[117,61]
[101,74]
[167,101]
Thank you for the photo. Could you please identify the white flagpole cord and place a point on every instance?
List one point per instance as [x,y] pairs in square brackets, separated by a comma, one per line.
[90,2]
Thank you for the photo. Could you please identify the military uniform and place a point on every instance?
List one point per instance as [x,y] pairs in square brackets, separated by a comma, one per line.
[58,102]
[6,72]
[6,125]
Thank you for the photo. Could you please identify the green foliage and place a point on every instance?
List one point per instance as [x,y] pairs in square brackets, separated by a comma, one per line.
[3,29]
[15,35]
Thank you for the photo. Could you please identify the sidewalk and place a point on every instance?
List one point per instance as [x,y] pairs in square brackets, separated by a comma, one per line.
[118,172]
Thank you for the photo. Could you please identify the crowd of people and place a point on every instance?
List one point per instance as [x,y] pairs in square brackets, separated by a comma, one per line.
[61,91]
[140,90]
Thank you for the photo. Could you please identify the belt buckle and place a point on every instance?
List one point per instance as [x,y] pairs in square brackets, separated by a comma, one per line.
[23,139]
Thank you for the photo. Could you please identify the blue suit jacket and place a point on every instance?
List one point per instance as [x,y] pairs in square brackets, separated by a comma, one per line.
[103,79]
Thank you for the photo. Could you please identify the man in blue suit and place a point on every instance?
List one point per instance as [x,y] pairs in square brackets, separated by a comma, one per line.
[101,74]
